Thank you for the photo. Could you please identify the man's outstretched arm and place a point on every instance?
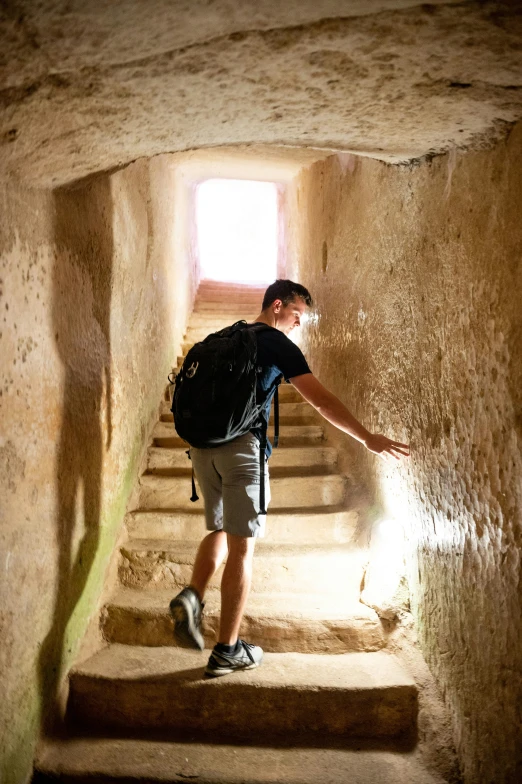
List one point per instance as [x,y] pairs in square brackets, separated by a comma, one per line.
[335,412]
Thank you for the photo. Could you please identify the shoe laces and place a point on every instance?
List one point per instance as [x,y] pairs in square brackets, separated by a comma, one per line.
[248,648]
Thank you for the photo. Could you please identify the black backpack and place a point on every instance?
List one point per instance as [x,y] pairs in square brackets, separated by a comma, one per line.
[216,397]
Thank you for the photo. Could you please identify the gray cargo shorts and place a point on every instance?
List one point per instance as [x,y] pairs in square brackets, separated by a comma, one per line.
[228,477]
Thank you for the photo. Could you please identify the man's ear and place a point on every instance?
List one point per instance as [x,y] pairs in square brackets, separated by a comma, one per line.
[277,304]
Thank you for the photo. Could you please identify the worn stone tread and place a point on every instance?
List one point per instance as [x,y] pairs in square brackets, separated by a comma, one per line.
[359,694]
[290,671]
[172,492]
[271,605]
[330,568]
[264,548]
[238,293]
[278,622]
[246,307]
[319,457]
[333,524]
[134,760]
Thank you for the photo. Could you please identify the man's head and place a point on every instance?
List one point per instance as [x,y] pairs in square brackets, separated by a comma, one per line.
[284,303]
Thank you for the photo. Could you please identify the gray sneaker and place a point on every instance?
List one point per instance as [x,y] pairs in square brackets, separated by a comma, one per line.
[186,609]
[246,658]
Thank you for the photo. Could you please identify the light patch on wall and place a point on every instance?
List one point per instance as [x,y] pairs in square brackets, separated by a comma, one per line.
[386,567]
[237,230]
[392,543]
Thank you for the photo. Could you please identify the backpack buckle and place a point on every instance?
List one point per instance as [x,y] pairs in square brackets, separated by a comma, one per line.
[191,372]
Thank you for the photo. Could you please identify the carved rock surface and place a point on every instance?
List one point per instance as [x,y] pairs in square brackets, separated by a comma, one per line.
[90,86]
[417,281]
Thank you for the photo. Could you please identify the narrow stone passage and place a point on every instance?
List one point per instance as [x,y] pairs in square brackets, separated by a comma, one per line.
[327,681]
[390,132]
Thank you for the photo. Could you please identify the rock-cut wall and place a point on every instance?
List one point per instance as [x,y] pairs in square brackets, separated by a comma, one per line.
[417,276]
[92,310]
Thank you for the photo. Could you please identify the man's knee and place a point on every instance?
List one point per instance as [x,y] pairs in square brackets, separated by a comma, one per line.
[240,547]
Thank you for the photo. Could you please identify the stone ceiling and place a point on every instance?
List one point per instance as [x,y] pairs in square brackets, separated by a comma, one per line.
[91,85]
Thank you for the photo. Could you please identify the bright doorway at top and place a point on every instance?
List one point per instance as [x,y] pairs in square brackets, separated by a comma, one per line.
[237,230]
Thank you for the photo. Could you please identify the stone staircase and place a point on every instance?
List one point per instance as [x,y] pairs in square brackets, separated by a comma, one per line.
[328,704]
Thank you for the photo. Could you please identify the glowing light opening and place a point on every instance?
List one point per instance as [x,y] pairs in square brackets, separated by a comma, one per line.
[237,230]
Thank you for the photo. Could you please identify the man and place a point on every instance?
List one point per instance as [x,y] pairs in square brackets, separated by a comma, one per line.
[229,476]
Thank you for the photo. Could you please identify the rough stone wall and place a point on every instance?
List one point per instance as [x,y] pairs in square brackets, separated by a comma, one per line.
[417,276]
[89,328]
[392,79]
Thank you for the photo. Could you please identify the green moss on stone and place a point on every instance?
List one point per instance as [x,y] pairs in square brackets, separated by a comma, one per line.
[19,741]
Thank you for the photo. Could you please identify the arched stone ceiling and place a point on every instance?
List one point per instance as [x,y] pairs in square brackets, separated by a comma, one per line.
[88,85]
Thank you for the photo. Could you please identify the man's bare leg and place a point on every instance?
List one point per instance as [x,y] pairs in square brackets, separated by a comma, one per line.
[186,607]
[235,586]
[211,553]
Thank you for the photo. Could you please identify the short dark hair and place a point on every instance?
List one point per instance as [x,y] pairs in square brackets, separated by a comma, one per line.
[286,291]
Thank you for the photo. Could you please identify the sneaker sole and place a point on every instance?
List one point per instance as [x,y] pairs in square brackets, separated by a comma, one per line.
[185,632]
[228,671]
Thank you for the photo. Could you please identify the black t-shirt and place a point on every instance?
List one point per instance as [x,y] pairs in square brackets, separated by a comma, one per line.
[277,355]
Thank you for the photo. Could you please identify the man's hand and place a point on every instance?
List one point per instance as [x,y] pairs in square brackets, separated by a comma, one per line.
[384,447]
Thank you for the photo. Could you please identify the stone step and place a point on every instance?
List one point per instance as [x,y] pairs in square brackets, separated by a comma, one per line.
[278,568]
[164,435]
[209,290]
[199,319]
[228,310]
[173,492]
[199,330]
[289,394]
[203,323]
[289,413]
[288,526]
[284,459]
[255,296]
[212,321]
[225,288]
[206,306]
[358,694]
[78,760]
[225,285]
[307,623]
[200,326]
[196,336]
[225,297]
[220,306]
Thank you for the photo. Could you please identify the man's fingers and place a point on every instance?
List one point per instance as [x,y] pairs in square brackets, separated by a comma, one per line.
[390,451]
[388,448]
[401,451]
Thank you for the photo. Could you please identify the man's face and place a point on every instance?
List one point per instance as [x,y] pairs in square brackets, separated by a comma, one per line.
[288,316]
